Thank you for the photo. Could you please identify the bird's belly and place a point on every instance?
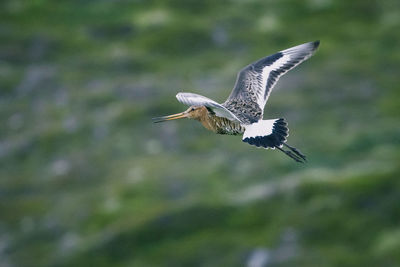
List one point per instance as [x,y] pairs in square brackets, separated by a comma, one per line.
[225,126]
[230,131]
[221,125]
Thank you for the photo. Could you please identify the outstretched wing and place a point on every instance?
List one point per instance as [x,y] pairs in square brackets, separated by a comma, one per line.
[191,99]
[255,82]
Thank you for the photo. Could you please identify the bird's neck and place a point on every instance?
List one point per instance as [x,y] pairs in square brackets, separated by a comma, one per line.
[208,121]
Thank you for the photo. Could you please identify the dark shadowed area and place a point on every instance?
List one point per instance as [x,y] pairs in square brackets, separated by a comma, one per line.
[86,178]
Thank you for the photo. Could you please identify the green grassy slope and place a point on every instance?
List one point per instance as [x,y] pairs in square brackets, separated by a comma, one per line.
[87,179]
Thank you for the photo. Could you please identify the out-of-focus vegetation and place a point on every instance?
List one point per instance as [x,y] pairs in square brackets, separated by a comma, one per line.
[86,179]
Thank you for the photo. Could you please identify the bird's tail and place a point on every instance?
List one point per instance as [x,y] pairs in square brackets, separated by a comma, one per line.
[272,134]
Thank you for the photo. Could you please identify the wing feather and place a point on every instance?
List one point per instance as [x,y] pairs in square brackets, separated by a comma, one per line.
[255,81]
[191,99]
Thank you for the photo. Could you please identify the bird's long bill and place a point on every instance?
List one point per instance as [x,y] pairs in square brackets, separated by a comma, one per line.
[170,117]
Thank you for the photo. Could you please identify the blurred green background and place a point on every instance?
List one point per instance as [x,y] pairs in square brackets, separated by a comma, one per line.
[86,178]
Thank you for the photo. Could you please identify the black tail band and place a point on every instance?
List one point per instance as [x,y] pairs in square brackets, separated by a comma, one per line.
[275,139]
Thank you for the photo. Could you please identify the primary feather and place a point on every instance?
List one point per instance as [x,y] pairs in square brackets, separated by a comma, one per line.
[254,83]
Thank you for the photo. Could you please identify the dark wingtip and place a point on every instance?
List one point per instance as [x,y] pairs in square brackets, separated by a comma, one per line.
[316,44]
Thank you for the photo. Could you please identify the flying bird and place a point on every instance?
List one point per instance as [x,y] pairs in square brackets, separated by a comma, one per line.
[242,112]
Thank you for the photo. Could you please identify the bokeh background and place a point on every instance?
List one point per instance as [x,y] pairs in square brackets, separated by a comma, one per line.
[86,178]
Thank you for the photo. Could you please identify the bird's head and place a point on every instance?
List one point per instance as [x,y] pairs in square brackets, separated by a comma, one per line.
[193,112]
